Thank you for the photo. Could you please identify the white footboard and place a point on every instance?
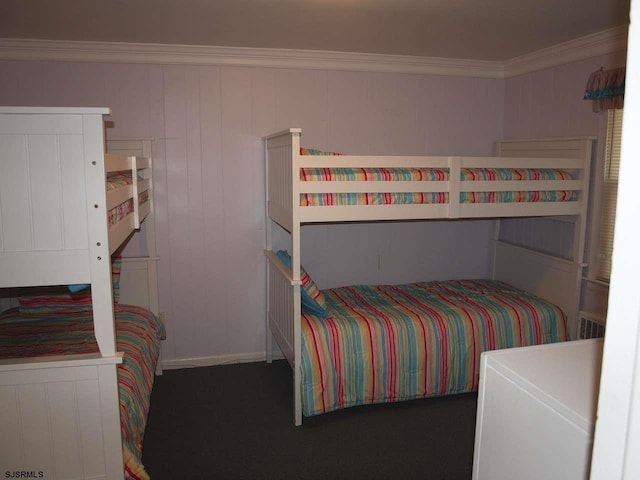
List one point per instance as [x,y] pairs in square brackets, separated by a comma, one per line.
[139,286]
[552,278]
[280,312]
[284,317]
[60,418]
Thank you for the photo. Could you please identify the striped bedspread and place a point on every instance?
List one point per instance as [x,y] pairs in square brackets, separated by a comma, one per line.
[310,174]
[138,335]
[117,180]
[393,343]
[409,198]
[348,174]
[118,212]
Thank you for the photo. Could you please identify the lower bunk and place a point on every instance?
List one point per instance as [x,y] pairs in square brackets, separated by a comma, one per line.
[391,343]
[361,345]
[64,411]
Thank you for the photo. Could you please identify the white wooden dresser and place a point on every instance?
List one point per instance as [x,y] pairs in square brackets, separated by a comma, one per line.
[536,411]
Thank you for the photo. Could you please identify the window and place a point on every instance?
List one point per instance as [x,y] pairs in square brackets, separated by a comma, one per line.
[609,193]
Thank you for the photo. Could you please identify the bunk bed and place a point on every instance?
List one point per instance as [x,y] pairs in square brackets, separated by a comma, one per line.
[80,347]
[331,337]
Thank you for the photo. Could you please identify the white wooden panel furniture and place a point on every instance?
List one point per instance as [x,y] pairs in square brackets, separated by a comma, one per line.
[557,279]
[536,412]
[60,414]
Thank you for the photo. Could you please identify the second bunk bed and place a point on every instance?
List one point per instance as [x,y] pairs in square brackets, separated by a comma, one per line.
[79,348]
[369,344]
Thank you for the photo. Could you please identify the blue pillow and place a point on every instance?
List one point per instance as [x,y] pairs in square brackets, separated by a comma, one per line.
[78,287]
[308,303]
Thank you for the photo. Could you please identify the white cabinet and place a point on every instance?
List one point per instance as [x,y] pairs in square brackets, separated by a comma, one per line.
[536,412]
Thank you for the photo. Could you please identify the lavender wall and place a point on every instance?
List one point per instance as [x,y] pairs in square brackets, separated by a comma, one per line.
[548,103]
[207,123]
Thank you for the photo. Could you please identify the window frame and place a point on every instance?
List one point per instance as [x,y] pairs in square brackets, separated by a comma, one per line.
[602,186]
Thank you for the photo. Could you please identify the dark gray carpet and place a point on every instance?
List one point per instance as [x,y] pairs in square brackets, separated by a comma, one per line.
[236,422]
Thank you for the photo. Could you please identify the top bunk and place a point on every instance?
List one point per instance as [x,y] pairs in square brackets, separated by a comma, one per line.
[63,202]
[128,187]
[526,178]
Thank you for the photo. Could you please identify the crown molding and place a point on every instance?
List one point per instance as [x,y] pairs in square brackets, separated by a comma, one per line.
[73,51]
[589,46]
[601,43]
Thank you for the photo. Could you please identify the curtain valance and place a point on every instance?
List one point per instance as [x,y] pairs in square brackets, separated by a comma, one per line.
[605,88]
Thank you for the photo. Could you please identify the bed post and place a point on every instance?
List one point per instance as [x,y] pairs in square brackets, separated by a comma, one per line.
[152,252]
[99,248]
[282,206]
[454,187]
[268,228]
[579,237]
[295,264]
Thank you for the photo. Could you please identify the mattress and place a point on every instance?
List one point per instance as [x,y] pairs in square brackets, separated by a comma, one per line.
[394,343]
[431,175]
[138,334]
[125,208]
[119,179]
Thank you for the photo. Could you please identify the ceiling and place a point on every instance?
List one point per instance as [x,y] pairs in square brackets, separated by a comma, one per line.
[464,29]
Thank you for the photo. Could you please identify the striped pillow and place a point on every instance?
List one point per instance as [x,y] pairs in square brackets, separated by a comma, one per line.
[59,300]
[312,289]
[315,151]
[116,268]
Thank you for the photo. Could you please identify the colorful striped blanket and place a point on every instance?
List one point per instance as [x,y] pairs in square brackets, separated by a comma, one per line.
[138,335]
[350,174]
[394,343]
[117,180]
[410,198]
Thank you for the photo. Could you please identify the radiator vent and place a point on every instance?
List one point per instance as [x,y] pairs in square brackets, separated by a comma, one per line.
[590,328]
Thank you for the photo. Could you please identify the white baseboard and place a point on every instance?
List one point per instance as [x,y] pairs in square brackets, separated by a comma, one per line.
[212,360]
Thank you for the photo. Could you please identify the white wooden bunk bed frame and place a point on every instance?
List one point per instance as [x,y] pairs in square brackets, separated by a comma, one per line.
[63,411]
[553,278]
